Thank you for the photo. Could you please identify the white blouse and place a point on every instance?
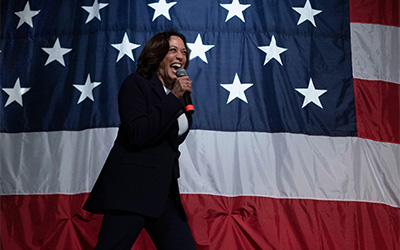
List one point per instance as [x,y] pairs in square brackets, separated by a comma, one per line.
[183,122]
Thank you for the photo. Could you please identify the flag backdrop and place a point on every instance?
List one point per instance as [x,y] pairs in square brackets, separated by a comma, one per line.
[295,142]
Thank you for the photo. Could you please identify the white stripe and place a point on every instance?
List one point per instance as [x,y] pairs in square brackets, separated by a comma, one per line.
[290,166]
[375,52]
[63,162]
[220,163]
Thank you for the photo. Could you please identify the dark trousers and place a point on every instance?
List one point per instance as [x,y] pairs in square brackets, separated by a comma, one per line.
[170,231]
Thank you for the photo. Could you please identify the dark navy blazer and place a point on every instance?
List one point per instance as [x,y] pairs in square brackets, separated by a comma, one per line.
[143,161]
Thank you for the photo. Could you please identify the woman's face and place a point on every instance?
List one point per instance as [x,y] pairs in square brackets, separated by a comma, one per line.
[175,59]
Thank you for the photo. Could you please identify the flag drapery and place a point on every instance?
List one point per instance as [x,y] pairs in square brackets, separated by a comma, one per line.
[295,141]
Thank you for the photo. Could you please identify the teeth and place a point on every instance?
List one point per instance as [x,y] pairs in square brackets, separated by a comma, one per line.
[176,65]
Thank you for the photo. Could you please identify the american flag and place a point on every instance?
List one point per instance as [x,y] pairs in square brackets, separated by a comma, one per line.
[295,141]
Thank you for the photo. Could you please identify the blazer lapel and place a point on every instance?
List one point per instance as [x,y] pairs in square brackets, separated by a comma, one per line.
[160,92]
[157,86]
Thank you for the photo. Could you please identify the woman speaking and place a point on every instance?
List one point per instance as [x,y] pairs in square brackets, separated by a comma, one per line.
[137,187]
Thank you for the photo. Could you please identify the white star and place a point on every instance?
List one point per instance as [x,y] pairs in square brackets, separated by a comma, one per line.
[94,11]
[26,15]
[125,48]
[311,94]
[161,8]
[272,51]
[235,9]
[236,89]
[198,49]
[15,94]
[307,13]
[86,89]
[56,53]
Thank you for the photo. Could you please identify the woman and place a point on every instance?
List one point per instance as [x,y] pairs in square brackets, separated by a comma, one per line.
[137,186]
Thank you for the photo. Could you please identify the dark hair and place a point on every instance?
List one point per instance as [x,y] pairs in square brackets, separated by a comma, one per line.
[154,52]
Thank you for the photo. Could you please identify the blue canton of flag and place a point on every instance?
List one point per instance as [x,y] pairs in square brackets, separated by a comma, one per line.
[285,70]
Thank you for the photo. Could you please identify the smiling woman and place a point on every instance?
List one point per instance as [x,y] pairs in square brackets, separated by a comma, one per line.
[175,58]
[155,50]
[137,187]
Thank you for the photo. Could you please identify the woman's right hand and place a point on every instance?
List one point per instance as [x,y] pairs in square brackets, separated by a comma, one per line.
[182,84]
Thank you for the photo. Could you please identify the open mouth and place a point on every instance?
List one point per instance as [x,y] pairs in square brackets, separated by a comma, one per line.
[175,67]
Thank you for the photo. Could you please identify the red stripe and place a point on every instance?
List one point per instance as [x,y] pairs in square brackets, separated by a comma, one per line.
[267,223]
[58,222]
[386,12]
[51,222]
[378,110]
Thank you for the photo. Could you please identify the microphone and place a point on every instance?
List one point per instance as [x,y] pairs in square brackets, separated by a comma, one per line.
[186,96]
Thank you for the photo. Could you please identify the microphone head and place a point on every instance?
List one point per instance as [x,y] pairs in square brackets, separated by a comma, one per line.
[181,72]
